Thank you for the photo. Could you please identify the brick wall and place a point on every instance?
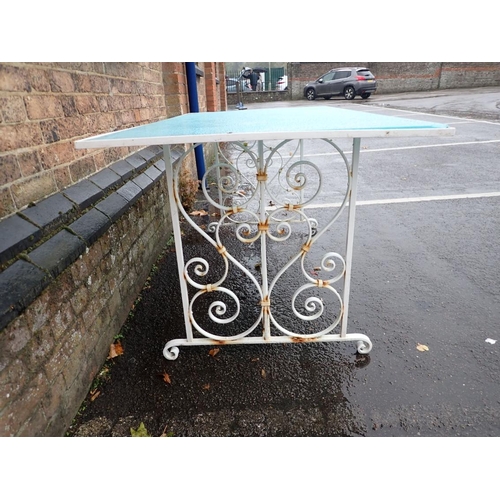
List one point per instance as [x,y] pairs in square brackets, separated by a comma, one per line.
[397,77]
[45,107]
[80,229]
[50,353]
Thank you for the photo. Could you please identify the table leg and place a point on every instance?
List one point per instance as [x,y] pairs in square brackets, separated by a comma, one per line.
[173,351]
[364,346]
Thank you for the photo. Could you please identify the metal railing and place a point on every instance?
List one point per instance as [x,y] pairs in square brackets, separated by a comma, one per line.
[275,80]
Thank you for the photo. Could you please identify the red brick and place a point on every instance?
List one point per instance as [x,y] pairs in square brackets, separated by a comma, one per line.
[68,105]
[86,104]
[7,206]
[100,85]
[82,168]
[83,83]
[33,189]
[9,169]
[57,154]
[62,177]
[125,70]
[62,128]
[13,79]
[41,107]
[29,163]
[39,79]
[12,109]
[61,81]
[100,122]
[103,104]
[19,136]
[151,75]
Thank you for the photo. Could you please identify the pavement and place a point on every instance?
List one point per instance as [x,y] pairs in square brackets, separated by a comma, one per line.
[425,288]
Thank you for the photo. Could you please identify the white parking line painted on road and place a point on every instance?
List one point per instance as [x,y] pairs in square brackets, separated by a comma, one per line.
[469,120]
[389,201]
[401,148]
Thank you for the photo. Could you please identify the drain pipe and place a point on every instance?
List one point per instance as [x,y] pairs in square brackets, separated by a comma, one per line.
[195,108]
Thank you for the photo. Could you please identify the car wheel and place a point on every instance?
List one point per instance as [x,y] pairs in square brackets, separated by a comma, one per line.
[328,97]
[310,94]
[349,93]
[366,95]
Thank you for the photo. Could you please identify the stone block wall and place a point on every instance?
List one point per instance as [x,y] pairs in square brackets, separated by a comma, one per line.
[69,297]
[46,106]
[79,229]
[264,96]
[396,77]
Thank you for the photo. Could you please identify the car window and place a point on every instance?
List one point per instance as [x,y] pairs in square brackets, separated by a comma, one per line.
[328,76]
[366,73]
[342,74]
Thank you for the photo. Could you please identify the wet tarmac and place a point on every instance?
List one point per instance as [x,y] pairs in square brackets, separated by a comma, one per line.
[425,288]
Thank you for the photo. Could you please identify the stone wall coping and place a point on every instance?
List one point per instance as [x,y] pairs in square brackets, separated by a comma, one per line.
[41,241]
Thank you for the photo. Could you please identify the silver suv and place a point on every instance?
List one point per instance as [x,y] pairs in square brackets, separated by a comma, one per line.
[348,82]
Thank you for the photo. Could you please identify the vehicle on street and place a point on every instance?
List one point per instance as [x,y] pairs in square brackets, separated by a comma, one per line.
[348,82]
[282,83]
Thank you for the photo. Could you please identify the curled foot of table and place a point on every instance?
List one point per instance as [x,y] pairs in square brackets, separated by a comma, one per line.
[364,346]
[171,351]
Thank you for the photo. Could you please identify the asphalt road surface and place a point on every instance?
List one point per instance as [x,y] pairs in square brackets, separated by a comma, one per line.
[425,288]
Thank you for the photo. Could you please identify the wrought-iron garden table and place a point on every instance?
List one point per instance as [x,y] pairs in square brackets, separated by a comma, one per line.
[262,187]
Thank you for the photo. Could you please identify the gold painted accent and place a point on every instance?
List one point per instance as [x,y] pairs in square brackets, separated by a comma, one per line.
[265,304]
[321,283]
[306,246]
[262,177]
[234,210]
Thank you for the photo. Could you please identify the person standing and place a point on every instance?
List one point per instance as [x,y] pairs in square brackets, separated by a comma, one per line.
[254,76]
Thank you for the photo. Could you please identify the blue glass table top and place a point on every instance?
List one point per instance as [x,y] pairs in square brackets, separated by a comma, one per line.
[300,122]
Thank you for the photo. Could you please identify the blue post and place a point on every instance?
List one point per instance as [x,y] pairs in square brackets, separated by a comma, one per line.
[195,108]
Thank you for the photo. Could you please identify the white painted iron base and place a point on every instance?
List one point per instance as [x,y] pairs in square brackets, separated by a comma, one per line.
[261,194]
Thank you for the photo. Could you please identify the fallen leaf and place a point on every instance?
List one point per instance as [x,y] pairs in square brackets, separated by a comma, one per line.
[198,212]
[141,431]
[206,387]
[165,434]
[214,352]
[115,350]
[254,359]
[166,378]
[263,373]
[94,394]
[422,347]
[317,268]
